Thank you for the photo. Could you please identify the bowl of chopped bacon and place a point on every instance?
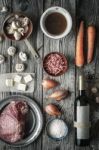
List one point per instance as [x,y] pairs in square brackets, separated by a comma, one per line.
[55,64]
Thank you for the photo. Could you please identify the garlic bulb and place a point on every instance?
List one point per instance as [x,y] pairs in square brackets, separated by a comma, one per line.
[59,95]
[49,83]
[2,59]
[17,35]
[19,67]
[25,21]
[11,50]
[21,31]
[23,56]
[52,110]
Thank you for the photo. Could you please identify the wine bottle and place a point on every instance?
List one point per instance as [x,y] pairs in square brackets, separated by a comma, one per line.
[81,116]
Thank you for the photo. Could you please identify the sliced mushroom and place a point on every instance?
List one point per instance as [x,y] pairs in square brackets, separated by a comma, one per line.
[17,35]
[11,50]
[19,67]
[23,56]
[25,21]
[21,30]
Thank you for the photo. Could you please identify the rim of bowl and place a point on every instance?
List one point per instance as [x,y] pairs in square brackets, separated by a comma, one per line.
[20,14]
[62,11]
[64,57]
[53,138]
[18,144]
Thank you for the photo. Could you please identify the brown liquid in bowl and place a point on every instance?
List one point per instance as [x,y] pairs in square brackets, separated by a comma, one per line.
[55,23]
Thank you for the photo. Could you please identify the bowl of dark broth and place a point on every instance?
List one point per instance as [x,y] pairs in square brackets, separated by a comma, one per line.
[56,22]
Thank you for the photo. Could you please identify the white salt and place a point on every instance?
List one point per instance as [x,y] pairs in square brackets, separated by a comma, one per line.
[57,128]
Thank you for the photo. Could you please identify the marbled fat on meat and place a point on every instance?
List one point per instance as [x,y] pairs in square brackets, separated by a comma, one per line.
[12,121]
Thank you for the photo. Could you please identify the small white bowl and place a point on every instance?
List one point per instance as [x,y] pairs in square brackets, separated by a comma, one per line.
[62,11]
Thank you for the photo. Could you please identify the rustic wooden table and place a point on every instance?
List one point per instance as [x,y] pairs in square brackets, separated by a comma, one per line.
[88,10]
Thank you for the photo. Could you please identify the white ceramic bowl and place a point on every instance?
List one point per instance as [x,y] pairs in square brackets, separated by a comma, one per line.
[62,11]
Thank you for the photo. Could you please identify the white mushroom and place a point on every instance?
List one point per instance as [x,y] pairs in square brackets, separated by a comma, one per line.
[10,30]
[23,56]
[19,67]
[21,30]
[17,35]
[2,59]
[16,16]
[18,24]
[11,50]
[14,26]
[25,21]
[26,28]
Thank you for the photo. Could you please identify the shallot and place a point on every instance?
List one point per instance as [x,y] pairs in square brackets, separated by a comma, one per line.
[52,110]
[59,95]
[49,83]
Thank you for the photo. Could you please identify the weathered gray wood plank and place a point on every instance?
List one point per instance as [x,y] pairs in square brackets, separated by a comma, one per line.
[89,11]
[32,9]
[67,47]
[3,50]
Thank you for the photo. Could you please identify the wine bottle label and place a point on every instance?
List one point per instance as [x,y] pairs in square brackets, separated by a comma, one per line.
[82,124]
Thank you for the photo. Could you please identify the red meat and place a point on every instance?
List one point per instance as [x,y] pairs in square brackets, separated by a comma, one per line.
[12,121]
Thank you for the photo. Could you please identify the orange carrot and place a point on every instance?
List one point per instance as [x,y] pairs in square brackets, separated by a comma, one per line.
[91,31]
[79,46]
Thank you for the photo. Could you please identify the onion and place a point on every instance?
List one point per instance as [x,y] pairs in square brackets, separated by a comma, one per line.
[49,83]
[52,110]
[59,95]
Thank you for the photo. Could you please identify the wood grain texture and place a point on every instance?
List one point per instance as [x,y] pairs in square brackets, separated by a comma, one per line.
[67,47]
[88,10]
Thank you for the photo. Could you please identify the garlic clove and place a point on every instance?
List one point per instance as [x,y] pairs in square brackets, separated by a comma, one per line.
[49,83]
[11,50]
[52,110]
[21,31]
[23,56]
[59,95]
[17,35]
[2,59]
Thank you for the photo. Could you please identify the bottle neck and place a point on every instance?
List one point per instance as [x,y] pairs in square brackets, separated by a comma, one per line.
[81,92]
[81,85]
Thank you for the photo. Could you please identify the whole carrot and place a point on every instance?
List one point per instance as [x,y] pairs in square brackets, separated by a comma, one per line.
[79,46]
[91,31]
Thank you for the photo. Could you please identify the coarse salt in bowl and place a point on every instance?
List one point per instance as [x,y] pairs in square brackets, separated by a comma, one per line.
[57,129]
[55,64]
